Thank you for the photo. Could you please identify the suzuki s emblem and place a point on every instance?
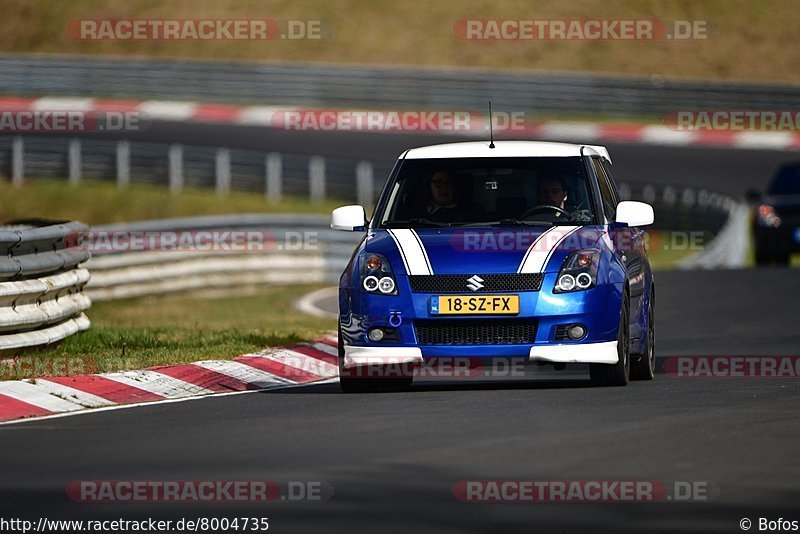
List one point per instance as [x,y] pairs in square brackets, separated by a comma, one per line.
[475,282]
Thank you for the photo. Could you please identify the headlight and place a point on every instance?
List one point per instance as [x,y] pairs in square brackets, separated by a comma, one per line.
[376,274]
[768,217]
[578,272]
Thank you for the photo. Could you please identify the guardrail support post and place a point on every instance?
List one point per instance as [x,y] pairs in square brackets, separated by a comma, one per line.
[17,161]
[316,179]
[274,166]
[223,173]
[175,169]
[123,164]
[364,183]
[74,161]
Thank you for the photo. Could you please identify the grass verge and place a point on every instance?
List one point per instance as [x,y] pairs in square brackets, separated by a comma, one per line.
[139,333]
[104,203]
[662,254]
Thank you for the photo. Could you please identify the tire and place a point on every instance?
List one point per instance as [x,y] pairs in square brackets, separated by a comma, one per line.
[367,384]
[616,374]
[781,257]
[763,256]
[643,366]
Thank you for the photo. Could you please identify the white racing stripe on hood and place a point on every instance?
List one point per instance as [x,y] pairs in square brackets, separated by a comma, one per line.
[542,248]
[415,258]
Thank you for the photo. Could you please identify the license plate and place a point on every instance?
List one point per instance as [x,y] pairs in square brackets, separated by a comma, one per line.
[475,305]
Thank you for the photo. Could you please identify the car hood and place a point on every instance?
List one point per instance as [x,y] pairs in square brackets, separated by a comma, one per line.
[782,201]
[480,250]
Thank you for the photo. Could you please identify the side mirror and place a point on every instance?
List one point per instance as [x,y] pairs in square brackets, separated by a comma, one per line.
[753,195]
[349,218]
[634,213]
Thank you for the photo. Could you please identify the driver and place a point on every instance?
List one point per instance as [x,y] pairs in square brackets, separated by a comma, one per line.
[442,205]
[551,192]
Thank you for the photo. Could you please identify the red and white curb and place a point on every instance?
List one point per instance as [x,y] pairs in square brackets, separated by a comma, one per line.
[281,367]
[268,116]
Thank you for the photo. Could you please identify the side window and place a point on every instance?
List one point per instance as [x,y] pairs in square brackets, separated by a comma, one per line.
[608,197]
[611,181]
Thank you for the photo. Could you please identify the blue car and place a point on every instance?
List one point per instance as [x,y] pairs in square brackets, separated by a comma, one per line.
[515,249]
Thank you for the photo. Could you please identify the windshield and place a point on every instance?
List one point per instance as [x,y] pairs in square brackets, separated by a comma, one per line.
[490,192]
[787,181]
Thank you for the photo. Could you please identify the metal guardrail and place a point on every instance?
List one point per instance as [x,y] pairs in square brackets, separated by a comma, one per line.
[41,284]
[297,249]
[298,84]
[272,174]
[27,251]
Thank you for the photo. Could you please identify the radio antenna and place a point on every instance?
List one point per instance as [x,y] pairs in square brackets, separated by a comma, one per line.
[491,133]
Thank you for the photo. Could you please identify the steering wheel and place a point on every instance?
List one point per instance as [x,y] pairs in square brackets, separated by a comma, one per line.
[544,207]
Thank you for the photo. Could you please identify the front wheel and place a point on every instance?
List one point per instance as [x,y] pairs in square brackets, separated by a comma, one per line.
[371,378]
[763,255]
[644,367]
[615,374]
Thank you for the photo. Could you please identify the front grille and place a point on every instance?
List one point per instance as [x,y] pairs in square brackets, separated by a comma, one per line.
[492,283]
[475,332]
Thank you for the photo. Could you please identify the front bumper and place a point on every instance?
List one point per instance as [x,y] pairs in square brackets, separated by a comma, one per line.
[605,352]
[355,356]
[597,309]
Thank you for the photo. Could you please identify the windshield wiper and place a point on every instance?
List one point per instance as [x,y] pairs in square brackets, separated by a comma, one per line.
[513,222]
[418,222]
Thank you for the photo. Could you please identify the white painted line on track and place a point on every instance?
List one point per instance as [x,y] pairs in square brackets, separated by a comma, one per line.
[308,302]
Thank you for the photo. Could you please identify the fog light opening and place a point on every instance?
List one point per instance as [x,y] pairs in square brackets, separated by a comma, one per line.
[576,331]
[376,334]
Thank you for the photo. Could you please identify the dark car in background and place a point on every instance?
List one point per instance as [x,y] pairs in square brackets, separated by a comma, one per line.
[776,224]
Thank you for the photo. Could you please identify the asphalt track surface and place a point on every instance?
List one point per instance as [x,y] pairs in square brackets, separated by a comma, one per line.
[394,458]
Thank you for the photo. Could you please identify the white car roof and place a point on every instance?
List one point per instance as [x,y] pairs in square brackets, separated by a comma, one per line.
[505,149]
